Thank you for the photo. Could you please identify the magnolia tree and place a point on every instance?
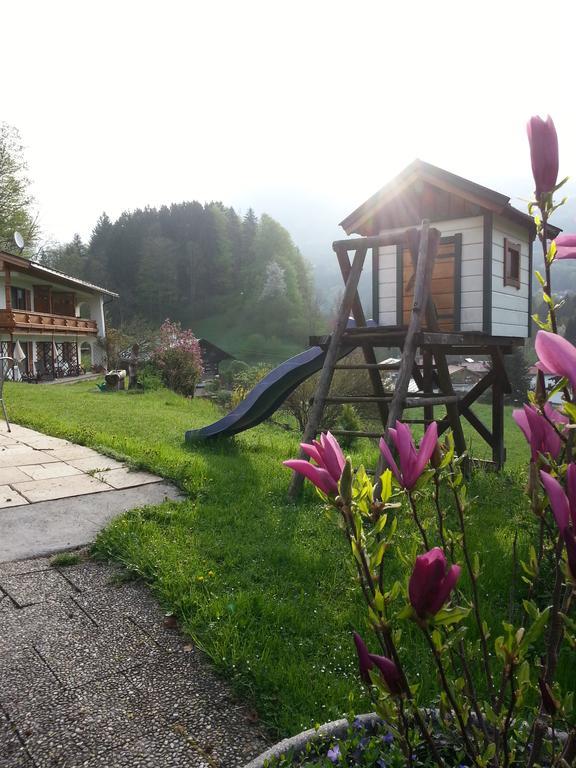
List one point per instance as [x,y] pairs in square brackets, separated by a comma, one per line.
[178,357]
[499,701]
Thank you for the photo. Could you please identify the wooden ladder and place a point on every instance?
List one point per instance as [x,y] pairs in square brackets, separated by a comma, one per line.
[423,245]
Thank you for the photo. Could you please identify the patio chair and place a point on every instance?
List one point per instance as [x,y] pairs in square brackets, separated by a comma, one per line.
[5,363]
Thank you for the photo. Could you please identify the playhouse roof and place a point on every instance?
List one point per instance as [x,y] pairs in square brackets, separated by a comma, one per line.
[423,190]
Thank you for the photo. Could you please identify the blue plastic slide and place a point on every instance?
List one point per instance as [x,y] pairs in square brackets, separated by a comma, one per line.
[266,397]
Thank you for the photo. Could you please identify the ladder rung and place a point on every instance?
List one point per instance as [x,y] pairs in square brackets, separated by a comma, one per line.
[415,402]
[367,367]
[355,433]
[358,399]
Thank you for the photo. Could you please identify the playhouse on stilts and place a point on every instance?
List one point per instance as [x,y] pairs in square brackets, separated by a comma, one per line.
[451,275]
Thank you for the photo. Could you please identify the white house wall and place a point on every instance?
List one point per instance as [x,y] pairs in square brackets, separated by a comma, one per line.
[509,304]
[472,231]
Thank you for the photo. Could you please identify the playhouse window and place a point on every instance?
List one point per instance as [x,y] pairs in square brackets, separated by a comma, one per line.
[511,263]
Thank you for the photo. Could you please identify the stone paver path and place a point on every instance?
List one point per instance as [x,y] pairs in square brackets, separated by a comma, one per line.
[93,675]
[36,467]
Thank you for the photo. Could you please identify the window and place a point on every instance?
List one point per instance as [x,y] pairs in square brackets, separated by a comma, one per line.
[512,263]
[20,298]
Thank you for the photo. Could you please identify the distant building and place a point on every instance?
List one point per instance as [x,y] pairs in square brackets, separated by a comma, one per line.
[212,356]
[54,319]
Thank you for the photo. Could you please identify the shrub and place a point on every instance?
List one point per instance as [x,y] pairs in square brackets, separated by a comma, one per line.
[178,358]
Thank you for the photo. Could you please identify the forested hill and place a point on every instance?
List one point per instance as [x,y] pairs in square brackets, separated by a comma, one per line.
[239,281]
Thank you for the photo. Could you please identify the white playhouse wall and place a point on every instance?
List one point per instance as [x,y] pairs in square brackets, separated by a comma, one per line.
[509,304]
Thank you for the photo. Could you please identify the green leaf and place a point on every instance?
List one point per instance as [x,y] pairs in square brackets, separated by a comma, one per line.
[380,523]
[377,559]
[447,616]
[386,480]
[570,410]
[540,279]
[536,629]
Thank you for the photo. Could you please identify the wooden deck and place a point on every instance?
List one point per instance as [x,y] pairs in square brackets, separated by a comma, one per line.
[27,321]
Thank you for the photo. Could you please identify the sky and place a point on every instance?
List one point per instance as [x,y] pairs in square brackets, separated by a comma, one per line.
[299,109]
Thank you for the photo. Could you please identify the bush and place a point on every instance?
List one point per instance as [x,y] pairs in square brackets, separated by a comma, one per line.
[350,421]
[179,372]
[178,358]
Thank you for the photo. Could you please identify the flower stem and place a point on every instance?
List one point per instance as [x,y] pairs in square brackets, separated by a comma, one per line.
[417,521]
[475,596]
[449,694]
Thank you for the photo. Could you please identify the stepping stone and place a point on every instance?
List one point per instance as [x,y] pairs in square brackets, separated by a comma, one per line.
[90,464]
[10,498]
[12,475]
[123,478]
[22,455]
[60,487]
[36,587]
[47,471]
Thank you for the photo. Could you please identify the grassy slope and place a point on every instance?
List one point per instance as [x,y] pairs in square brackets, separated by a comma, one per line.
[258,582]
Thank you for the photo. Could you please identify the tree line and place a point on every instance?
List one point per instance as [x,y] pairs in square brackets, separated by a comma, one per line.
[190,261]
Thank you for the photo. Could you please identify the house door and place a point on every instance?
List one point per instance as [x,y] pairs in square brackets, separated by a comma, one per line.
[445,284]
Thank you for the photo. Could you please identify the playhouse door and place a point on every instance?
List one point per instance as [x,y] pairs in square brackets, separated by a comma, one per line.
[445,284]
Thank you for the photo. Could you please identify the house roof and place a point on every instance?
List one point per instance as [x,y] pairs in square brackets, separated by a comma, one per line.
[214,348]
[363,220]
[37,269]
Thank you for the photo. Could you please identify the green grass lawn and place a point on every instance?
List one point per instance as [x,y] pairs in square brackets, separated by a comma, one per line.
[258,582]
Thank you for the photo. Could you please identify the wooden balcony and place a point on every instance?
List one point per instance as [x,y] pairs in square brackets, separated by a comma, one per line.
[22,321]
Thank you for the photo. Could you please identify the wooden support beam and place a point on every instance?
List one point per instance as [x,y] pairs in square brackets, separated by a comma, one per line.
[327,372]
[427,249]
[478,425]
[499,387]
[368,350]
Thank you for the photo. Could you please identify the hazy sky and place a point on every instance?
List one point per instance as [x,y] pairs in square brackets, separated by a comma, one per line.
[303,109]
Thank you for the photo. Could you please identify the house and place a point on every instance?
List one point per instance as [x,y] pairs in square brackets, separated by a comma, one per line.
[53,318]
[482,274]
[212,356]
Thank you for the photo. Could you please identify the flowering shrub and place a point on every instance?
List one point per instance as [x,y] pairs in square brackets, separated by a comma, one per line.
[499,701]
[178,357]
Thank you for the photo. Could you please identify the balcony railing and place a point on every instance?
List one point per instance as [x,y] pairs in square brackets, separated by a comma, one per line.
[42,322]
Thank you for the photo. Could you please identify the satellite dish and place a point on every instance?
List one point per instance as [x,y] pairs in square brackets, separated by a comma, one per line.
[19,240]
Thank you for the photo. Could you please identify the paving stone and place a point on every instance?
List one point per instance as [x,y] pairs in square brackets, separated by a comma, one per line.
[72,452]
[21,455]
[31,625]
[44,442]
[135,602]
[13,754]
[46,471]
[10,498]
[60,487]
[91,463]
[187,693]
[24,677]
[164,748]
[36,587]
[69,728]
[123,478]
[88,576]
[93,653]
[12,475]
[24,566]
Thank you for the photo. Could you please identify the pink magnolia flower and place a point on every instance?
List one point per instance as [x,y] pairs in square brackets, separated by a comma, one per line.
[543,153]
[412,462]
[556,355]
[563,504]
[330,461]
[565,247]
[431,582]
[540,434]
[389,672]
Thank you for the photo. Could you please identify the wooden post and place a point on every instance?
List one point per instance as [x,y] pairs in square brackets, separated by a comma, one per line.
[367,349]
[426,255]
[499,387]
[428,388]
[8,286]
[329,362]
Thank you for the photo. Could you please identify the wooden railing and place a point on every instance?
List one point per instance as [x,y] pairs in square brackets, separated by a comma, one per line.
[42,322]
